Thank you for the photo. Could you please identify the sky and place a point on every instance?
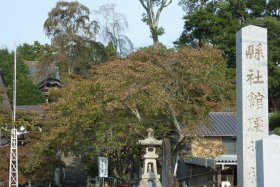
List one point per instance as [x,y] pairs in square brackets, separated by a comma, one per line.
[21,21]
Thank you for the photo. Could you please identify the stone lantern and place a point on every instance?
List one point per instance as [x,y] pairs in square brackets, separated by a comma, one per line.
[150,177]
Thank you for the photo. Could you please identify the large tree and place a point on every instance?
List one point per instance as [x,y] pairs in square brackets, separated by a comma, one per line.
[112,29]
[273,32]
[73,34]
[153,10]
[163,89]
[216,23]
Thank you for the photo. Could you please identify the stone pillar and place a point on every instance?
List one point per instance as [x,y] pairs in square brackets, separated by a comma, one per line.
[268,163]
[57,176]
[252,99]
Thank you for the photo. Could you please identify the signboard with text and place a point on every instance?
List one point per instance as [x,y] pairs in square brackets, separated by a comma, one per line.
[103,166]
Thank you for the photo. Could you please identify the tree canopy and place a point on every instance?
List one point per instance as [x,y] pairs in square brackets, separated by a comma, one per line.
[216,23]
[211,22]
[165,90]
[170,90]
[153,9]
[33,52]
[112,27]
[27,92]
[73,36]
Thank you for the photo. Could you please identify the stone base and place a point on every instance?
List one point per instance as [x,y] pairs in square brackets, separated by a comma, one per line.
[145,183]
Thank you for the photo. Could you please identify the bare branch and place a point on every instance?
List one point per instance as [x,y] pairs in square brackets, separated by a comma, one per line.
[177,124]
[152,14]
[164,4]
[136,113]
[175,121]
[178,145]
[143,4]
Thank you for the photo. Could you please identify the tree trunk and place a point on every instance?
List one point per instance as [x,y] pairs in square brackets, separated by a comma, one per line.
[115,172]
[154,36]
[167,176]
[153,17]
[69,70]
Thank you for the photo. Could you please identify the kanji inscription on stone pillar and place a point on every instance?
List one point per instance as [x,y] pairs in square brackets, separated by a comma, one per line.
[252,99]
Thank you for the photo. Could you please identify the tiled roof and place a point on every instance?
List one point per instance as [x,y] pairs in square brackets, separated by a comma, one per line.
[212,162]
[38,76]
[3,142]
[222,124]
[226,159]
[31,108]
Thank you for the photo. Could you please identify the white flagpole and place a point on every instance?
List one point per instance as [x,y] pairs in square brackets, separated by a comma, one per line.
[13,172]
[15,86]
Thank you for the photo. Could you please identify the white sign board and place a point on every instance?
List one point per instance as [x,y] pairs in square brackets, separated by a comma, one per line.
[103,166]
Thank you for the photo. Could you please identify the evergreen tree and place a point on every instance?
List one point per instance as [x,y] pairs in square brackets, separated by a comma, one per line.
[27,92]
[216,23]
[33,52]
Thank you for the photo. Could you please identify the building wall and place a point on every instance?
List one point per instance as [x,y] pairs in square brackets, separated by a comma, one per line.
[195,175]
[202,175]
[230,144]
[207,147]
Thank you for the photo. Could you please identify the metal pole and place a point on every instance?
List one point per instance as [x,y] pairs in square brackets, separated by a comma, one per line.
[13,173]
[15,86]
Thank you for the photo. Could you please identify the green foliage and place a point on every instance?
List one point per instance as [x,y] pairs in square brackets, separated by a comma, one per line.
[216,23]
[257,8]
[110,50]
[5,118]
[273,8]
[7,66]
[109,112]
[277,131]
[27,92]
[274,120]
[273,32]
[33,52]
[37,159]
[41,157]
[213,24]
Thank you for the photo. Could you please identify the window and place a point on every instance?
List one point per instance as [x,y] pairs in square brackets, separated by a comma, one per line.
[229,145]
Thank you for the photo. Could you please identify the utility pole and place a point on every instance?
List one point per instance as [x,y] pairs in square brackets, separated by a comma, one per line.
[13,173]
